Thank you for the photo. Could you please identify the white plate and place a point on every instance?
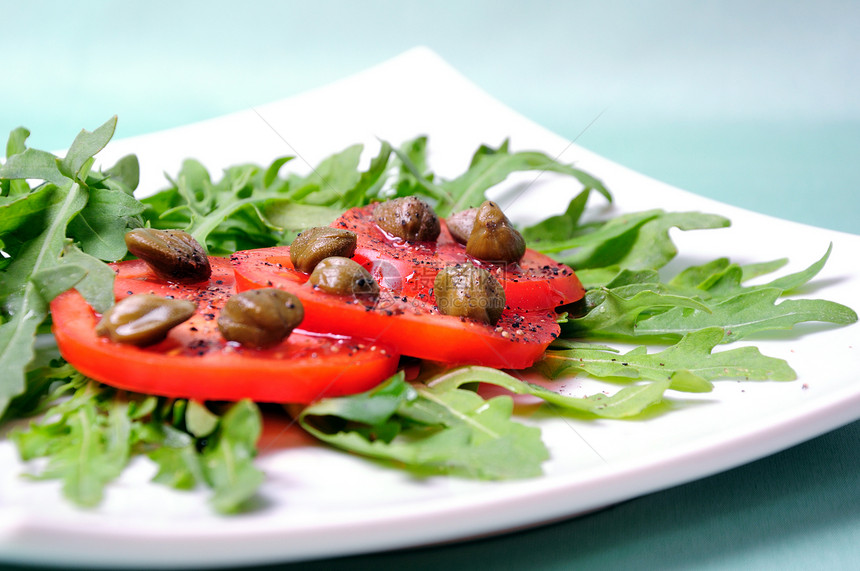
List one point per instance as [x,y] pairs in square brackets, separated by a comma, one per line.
[322,503]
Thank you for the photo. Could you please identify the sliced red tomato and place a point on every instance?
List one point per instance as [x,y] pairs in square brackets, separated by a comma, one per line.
[196,362]
[411,323]
[536,282]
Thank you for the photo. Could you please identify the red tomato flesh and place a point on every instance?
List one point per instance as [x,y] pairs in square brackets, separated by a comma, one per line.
[536,282]
[194,361]
[411,323]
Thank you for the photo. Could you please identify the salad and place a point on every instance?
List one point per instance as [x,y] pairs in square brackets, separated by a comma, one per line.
[62,221]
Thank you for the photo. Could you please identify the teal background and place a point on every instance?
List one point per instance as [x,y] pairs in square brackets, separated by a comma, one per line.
[752,102]
[755,103]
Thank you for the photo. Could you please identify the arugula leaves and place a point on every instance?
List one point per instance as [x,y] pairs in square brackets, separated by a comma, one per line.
[253,206]
[53,236]
[639,305]
[490,167]
[690,364]
[443,429]
[89,438]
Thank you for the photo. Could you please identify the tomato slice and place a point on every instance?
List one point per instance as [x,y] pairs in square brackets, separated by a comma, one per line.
[196,362]
[536,282]
[411,323]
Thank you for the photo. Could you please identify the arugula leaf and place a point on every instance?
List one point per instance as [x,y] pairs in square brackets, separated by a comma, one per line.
[370,182]
[701,278]
[32,164]
[654,248]
[561,227]
[200,422]
[330,181]
[124,174]
[793,281]
[294,217]
[199,447]
[617,311]
[490,166]
[271,175]
[85,146]
[89,438]
[720,278]
[54,281]
[85,449]
[22,302]
[414,161]
[747,313]
[627,402]
[47,380]
[750,271]
[20,213]
[250,207]
[36,228]
[77,270]
[639,304]
[689,364]
[222,216]
[228,463]
[614,236]
[178,460]
[17,141]
[443,430]
[632,241]
[414,178]
[97,283]
[101,225]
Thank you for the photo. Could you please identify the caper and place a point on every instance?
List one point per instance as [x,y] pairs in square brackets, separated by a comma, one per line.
[260,318]
[466,290]
[143,319]
[460,224]
[173,255]
[409,218]
[494,238]
[315,244]
[342,276]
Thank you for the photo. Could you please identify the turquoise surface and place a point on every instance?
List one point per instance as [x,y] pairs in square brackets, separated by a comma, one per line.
[754,103]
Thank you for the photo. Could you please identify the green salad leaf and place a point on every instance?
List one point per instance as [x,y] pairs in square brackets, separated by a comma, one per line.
[95,227]
[747,313]
[53,236]
[445,430]
[637,304]
[253,206]
[23,304]
[490,167]
[689,364]
[628,402]
[88,438]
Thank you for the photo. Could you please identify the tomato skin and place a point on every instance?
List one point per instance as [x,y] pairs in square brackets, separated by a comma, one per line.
[412,324]
[195,361]
[536,282]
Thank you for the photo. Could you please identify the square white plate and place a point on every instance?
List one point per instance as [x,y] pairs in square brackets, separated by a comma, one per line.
[318,502]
